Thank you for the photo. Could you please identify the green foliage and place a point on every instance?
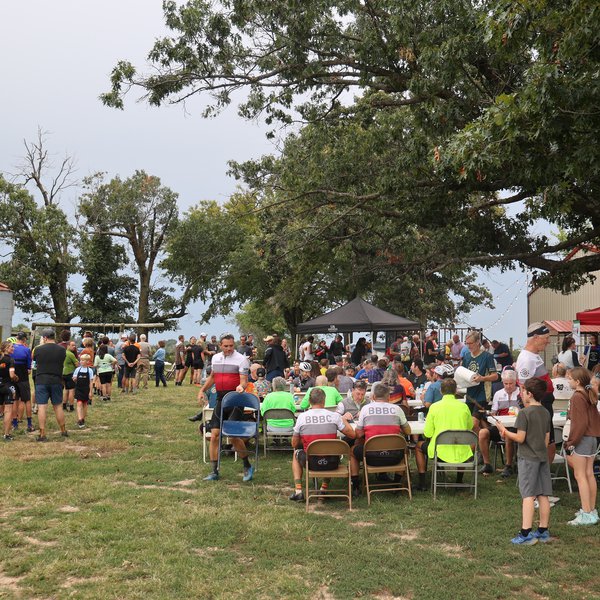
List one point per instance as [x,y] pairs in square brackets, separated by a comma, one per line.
[459,103]
[107,294]
[144,213]
[40,257]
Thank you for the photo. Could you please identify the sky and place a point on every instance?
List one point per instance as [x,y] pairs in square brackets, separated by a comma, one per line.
[57,59]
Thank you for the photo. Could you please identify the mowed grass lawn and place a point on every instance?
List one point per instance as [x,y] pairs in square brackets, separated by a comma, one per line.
[119,511]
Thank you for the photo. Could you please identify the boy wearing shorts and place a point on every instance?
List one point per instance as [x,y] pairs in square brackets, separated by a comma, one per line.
[83,377]
[533,436]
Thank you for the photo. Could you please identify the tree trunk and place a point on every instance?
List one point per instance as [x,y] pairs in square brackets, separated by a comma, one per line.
[144,300]
[58,293]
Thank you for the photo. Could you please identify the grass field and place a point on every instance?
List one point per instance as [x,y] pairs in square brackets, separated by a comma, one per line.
[119,511]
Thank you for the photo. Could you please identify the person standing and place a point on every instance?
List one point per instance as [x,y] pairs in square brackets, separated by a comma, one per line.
[22,358]
[104,364]
[159,364]
[307,350]
[275,360]
[143,365]
[180,360]
[431,348]
[533,434]
[530,364]
[131,354]
[502,354]
[593,352]
[582,443]
[49,359]
[120,360]
[229,374]
[7,378]
[480,362]
[83,377]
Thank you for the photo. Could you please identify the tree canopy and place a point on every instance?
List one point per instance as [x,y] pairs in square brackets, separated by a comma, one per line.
[143,213]
[463,113]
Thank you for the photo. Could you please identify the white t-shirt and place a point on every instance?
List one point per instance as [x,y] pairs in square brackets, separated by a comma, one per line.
[306,351]
[562,388]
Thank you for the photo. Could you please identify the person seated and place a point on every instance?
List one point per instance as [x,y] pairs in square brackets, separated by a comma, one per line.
[366,366]
[323,365]
[294,371]
[397,392]
[379,417]
[328,384]
[351,404]
[447,413]
[433,393]
[262,385]
[417,374]
[562,388]
[279,398]
[317,423]
[503,400]
[402,380]
[376,374]
[344,382]
[304,381]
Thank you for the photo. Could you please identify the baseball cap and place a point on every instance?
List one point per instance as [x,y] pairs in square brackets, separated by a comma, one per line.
[203,334]
[21,335]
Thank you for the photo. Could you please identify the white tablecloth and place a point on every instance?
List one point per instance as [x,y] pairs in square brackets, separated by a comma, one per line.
[558,420]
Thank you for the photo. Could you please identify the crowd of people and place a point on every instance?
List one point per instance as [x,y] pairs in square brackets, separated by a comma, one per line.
[326,391]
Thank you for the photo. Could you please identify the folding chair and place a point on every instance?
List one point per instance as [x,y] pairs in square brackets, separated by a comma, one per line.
[328,448]
[455,437]
[239,429]
[170,374]
[207,414]
[277,432]
[389,442]
[560,459]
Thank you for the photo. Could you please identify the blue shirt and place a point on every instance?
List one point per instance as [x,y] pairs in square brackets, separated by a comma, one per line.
[159,355]
[22,355]
[433,393]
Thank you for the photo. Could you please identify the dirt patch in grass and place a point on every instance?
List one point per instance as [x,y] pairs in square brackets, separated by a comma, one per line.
[507,572]
[206,552]
[323,593]
[40,543]
[362,523]
[185,483]
[71,582]
[452,550]
[68,509]
[387,595]
[170,488]
[410,535]
[10,583]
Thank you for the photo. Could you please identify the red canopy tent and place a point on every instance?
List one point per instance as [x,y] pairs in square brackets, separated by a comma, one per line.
[589,317]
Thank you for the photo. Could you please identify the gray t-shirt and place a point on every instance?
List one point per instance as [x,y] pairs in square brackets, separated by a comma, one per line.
[535,422]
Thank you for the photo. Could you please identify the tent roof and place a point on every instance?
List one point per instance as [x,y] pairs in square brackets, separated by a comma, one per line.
[589,317]
[357,315]
[567,327]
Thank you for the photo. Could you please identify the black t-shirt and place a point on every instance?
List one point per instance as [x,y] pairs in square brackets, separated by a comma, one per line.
[336,348]
[594,357]
[131,352]
[503,361]
[429,358]
[6,362]
[49,360]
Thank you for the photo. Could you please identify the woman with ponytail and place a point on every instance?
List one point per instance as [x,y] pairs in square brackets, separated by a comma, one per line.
[582,443]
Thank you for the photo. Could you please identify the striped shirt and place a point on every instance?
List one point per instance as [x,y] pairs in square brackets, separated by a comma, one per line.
[318,424]
[381,418]
[226,370]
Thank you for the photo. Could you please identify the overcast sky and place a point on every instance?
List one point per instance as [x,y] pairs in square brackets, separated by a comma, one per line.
[56,59]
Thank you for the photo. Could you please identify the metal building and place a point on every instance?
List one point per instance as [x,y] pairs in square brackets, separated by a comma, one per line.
[7,308]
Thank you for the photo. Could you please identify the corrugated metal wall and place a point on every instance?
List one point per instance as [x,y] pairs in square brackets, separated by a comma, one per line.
[548,305]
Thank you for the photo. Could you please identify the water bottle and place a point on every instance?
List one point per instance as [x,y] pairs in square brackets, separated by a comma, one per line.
[292,386]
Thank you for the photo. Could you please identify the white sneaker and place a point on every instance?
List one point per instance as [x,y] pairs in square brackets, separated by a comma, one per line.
[584,518]
[553,499]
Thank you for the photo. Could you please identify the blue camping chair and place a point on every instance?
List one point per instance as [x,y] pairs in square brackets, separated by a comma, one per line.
[239,429]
